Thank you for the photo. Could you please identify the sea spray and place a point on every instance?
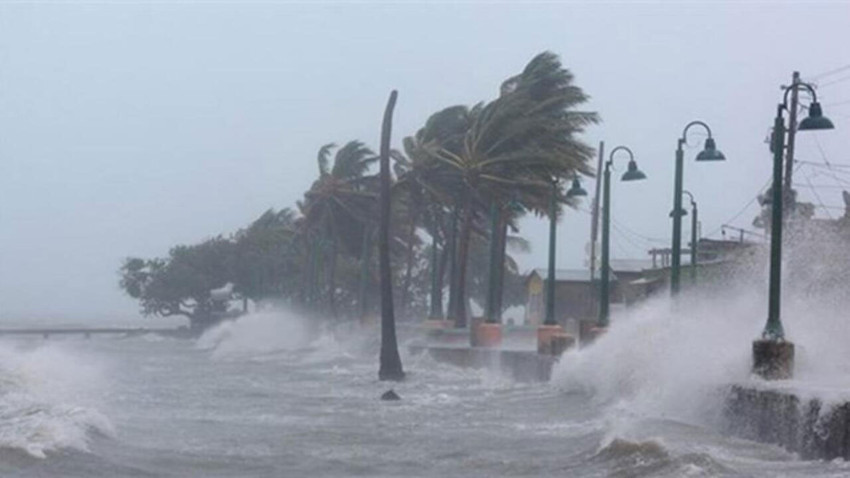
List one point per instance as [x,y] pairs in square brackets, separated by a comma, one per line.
[256,334]
[278,333]
[47,399]
[660,360]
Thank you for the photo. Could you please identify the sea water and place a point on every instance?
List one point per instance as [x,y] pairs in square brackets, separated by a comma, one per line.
[273,395]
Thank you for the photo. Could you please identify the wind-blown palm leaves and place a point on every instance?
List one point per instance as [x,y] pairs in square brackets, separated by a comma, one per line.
[337,208]
[512,149]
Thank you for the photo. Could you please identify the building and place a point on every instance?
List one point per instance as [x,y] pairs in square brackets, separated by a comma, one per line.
[576,296]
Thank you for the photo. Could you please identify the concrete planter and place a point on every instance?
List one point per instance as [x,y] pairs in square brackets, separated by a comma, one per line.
[488,335]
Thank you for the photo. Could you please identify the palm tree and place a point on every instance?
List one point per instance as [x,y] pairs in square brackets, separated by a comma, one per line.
[515,146]
[338,206]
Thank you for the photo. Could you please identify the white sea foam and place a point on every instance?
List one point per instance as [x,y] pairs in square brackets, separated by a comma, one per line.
[257,335]
[45,399]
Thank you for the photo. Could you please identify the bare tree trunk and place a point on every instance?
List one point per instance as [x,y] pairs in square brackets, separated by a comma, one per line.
[390,361]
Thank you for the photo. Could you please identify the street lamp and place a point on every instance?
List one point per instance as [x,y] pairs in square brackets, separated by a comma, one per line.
[773,356]
[575,191]
[694,238]
[631,174]
[709,153]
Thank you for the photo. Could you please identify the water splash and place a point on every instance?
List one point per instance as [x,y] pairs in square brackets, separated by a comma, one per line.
[42,392]
[257,334]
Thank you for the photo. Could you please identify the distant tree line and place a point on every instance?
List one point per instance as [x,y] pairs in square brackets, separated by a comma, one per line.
[460,185]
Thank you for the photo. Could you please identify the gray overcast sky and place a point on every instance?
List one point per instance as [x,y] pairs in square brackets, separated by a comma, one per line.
[128,127]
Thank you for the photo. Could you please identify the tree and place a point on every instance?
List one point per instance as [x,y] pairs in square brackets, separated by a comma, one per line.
[390,361]
[513,148]
[181,284]
[338,207]
[267,265]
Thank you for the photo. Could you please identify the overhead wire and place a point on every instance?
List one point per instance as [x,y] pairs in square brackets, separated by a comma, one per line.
[830,72]
[817,196]
[834,82]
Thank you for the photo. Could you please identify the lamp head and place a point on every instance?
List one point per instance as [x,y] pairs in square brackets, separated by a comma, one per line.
[633,173]
[682,212]
[576,190]
[710,152]
[816,120]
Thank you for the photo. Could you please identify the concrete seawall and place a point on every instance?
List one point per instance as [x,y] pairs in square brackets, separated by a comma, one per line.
[519,365]
[811,427]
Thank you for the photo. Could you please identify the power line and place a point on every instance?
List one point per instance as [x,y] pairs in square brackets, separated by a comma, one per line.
[743,209]
[817,196]
[815,163]
[834,82]
[824,186]
[830,72]
[825,159]
[838,103]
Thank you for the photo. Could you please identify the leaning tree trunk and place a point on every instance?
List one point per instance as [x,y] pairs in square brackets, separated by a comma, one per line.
[390,361]
[462,254]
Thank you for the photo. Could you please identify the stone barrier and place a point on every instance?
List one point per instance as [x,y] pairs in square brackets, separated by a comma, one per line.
[806,426]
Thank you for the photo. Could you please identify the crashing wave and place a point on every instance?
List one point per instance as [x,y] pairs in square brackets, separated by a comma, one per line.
[40,395]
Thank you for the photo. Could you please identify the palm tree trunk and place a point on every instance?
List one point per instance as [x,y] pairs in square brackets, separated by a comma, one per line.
[441,277]
[390,361]
[462,254]
[436,310]
[500,268]
[408,273]
[452,253]
[332,279]
[363,293]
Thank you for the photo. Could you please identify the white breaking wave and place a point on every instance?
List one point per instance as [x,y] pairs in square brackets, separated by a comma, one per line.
[664,360]
[42,397]
[257,334]
[659,360]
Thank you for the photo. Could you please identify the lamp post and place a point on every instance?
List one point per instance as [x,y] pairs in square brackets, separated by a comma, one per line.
[550,335]
[575,191]
[632,174]
[694,238]
[709,153]
[773,356]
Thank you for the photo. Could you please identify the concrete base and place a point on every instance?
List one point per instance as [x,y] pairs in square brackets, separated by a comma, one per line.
[519,365]
[592,334]
[544,337]
[560,343]
[773,359]
[801,425]
[487,335]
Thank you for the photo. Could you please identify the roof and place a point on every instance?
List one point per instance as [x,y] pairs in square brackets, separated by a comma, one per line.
[631,265]
[569,275]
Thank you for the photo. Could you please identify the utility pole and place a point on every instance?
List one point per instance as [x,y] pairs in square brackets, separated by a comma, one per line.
[789,152]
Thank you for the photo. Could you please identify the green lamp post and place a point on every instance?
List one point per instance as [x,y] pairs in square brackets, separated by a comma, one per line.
[694,238]
[631,174]
[709,153]
[773,356]
[575,191]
